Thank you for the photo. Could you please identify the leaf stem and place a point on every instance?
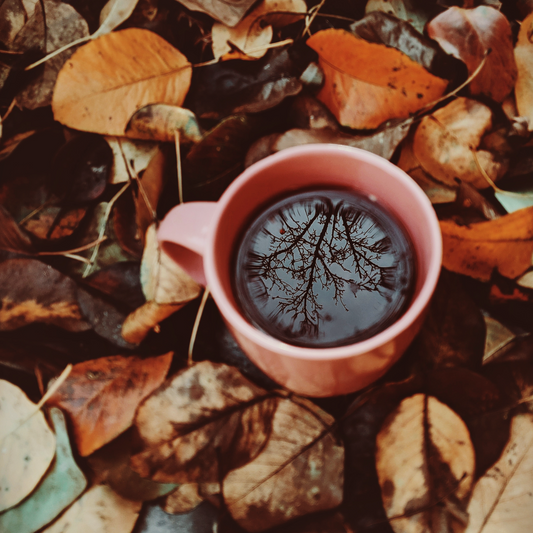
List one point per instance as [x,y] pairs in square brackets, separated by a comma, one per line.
[178,164]
[197,325]
[59,51]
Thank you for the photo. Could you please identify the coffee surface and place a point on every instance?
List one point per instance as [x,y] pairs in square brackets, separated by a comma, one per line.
[324,268]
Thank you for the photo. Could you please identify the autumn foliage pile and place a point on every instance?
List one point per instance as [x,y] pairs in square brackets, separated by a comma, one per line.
[125,405]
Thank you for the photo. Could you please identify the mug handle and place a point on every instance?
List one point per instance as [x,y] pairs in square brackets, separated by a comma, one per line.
[183,236]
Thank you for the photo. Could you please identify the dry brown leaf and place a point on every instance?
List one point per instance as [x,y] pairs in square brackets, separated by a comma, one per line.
[424,456]
[501,500]
[444,142]
[497,337]
[100,510]
[368,83]
[299,471]
[227,12]
[27,445]
[505,244]
[184,499]
[140,152]
[251,35]
[107,80]
[469,34]
[524,62]
[100,396]
[204,421]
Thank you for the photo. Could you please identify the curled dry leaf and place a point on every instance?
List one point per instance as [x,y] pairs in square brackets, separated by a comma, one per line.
[101,396]
[107,80]
[505,244]
[299,471]
[203,422]
[161,122]
[27,445]
[99,509]
[444,143]
[368,83]
[424,457]
[524,62]
[469,34]
[229,13]
[62,484]
[137,153]
[252,34]
[501,499]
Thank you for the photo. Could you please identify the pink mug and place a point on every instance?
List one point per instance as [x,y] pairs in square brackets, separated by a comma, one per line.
[201,237]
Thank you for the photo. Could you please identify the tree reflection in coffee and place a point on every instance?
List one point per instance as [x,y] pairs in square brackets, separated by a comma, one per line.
[324,268]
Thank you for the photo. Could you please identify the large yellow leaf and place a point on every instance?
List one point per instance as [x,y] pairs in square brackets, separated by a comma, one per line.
[368,83]
[107,80]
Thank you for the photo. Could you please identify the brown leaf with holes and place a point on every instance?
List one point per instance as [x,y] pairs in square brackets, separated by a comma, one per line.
[100,396]
[368,83]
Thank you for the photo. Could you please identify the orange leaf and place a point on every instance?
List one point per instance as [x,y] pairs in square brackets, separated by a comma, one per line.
[505,243]
[368,83]
[102,395]
[524,62]
[106,81]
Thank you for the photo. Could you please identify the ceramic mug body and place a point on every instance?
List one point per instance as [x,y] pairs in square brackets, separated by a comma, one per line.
[201,237]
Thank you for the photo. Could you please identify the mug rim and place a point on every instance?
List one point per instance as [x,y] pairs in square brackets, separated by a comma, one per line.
[413,312]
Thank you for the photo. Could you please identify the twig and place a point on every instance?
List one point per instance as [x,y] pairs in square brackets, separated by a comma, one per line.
[9,109]
[74,250]
[34,212]
[197,325]
[315,10]
[178,163]
[58,51]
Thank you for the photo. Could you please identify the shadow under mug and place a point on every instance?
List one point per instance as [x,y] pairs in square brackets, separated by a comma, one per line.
[202,236]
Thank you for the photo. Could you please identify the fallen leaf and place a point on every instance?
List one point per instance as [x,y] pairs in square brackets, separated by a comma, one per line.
[99,509]
[11,236]
[505,244]
[469,34]
[107,80]
[501,499]
[27,445]
[137,153]
[498,336]
[161,122]
[300,470]
[308,113]
[61,485]
[229,13]
[407,10]
[470,200]
[101,396]
[8,146]
[12,20]
[367,83]
[184,499]
[526,280]
[444,143]
[253,33]
[206,420]
[423,456]
[514,200]
[113,14]
[523,54]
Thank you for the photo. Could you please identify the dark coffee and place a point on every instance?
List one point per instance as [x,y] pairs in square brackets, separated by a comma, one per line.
[324,268]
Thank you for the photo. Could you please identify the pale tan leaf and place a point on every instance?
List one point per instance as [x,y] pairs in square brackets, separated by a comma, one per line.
[502,500]
[299,471]
[113,14]
[140,152]
[497,337]
[27,445]
[99,510]
[107,80]
[228,13]
[526,280]
[184,499]
[424,456]
[523,54]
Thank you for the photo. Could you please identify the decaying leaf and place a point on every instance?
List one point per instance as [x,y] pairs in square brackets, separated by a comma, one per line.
[408,10]
[107,80]
[62,484]
[161,122]
[444,143]
[203,422]
[299,471]
[501,499]
[424,456]
[505,244]
[27,445]
[138,154]
[101,396]
[523,54]
[253,34]
[99,509]
[469,34]
[228,13]
[367,83]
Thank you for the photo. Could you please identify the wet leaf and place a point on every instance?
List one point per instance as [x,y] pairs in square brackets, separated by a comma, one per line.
[423,456]
[203,422]
[360,94]
[62,484]
[299,471]
[444,143]
[160,122]
[228,13]
[113,14]
[99,509]
[505,244]
[27,445]
[101,396]
[523,54]
[107,80]
[469,34]
[407,10]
